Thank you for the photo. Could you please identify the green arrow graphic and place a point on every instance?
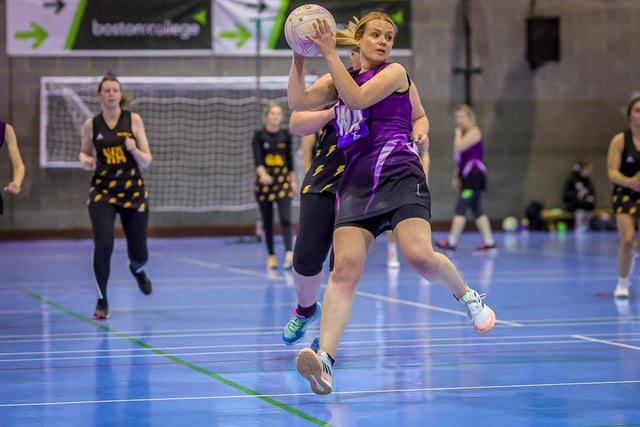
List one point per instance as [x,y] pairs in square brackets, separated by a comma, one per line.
[201,17]
[398,17]
[242,35]
[38,34]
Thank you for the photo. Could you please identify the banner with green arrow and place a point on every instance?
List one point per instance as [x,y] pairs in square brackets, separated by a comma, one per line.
[344,11]
[108,27]
[173,27]
[256,27]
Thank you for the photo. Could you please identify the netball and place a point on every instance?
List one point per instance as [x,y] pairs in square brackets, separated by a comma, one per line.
[299,27]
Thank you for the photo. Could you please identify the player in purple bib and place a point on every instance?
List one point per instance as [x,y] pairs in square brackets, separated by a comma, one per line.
[318,205]
[383,185]
[470,178]
[383,169]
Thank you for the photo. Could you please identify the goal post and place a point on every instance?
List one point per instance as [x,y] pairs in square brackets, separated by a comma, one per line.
[199,129]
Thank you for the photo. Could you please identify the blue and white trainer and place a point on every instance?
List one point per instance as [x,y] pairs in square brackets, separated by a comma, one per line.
[297,326]
[317,369]
[480,314]
[315,344]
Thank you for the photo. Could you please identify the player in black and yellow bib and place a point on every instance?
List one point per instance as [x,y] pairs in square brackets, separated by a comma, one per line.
[118,139]
[317,215]
[275,180]
[117,179]
[623,165]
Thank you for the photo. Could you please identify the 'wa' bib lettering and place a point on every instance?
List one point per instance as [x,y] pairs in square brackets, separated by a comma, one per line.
[350,125]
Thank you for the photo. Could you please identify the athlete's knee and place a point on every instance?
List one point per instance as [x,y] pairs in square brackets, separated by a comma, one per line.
[103,247]
[347,269]
[306,266]
[285,222]
[138,260]
[421,259]
[627,241]
[307,259]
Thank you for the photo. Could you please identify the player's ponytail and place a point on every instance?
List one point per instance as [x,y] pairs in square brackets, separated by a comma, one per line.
[346,38]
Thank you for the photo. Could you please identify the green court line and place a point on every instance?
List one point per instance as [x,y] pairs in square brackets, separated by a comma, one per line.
[75,25]
[182,362]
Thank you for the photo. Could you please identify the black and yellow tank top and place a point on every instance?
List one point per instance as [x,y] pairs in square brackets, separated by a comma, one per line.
[327,164]
[3,125]
[117,179]
[274,152]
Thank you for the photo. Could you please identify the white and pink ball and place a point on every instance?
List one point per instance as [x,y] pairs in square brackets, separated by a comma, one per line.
[299,27]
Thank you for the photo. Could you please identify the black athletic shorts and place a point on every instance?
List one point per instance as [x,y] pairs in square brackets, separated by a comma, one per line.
[389,220]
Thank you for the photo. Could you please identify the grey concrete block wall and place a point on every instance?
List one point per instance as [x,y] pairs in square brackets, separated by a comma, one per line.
[536,123]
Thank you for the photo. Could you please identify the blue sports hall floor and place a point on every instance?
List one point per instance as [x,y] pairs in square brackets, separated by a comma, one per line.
[204,349]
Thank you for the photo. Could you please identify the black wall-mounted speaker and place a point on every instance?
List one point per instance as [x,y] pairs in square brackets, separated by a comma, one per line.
[543,40]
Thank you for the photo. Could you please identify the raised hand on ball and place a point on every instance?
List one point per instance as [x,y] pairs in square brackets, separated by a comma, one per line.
[325,40]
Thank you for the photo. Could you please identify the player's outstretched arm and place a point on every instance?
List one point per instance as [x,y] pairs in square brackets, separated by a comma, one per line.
[16,160]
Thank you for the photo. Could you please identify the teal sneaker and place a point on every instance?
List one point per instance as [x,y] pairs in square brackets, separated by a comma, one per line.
[294,331]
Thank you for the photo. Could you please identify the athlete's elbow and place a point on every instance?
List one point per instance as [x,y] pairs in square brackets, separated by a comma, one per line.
[146,163]
[297,130]
[295,103]
[355,104]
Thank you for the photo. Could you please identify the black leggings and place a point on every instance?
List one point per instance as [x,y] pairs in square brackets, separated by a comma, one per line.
[315,232]
[284,212]
[134,225]
[469,200]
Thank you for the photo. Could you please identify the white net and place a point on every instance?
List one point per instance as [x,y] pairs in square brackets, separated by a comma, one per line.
[199,130]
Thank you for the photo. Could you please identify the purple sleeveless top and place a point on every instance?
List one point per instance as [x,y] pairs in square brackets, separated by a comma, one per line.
[471,158]
[383,170]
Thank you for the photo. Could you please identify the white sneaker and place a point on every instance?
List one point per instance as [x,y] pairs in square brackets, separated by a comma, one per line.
[316,368]
[392,262]
[621,291]
[480,314]
[288,261]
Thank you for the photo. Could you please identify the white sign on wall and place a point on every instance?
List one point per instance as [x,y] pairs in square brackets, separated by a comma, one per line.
[172,27]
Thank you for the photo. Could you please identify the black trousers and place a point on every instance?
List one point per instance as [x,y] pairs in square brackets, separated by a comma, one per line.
[315,232]
[284,213]
[134,225]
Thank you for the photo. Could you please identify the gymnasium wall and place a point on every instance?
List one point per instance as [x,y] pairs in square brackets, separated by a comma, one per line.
[536,123]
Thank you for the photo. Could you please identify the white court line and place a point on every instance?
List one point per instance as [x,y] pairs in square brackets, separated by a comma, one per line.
[342,393]
[173,308]
[133,353]
[179,283]
[347,343]
[271,351]
[215,265]
[613,343]
[430,342]
[161,333]
[359,293]
[431,327]
[488,339]
[236,332]
[545,275]
[425,306]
